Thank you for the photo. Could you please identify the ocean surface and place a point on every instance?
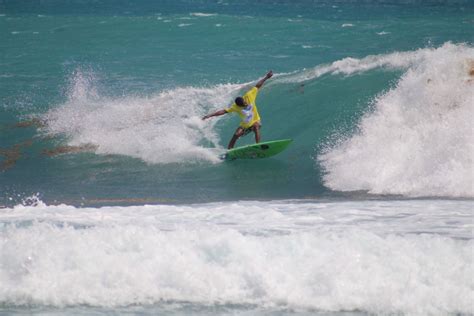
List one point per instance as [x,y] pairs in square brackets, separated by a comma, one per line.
[113,199]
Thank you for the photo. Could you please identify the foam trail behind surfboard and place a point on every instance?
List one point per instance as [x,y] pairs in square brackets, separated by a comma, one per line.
[165,127]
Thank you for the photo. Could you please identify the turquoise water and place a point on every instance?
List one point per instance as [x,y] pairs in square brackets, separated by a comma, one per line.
[105,162]
[136,66]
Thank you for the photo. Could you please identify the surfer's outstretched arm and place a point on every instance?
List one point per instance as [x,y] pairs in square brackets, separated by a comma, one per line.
[262,81]
[217,113]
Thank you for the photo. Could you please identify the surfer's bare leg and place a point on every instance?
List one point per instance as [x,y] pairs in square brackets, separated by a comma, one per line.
[238,133]
[256,130]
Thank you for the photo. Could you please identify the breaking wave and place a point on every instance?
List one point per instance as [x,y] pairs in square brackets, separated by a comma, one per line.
[417,139]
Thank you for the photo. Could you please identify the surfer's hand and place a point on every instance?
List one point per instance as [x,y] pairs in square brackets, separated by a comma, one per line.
[269,74]
[205,117]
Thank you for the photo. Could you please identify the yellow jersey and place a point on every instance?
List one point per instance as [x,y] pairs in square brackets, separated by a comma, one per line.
[249,114]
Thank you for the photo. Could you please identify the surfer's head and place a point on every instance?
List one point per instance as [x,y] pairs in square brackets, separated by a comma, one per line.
[240,102]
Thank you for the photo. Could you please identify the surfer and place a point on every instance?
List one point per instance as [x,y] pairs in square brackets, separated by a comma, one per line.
[246,108]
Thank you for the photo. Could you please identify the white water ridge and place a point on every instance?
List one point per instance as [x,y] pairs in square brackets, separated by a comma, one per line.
[411,257]
[418,137]
[392,61]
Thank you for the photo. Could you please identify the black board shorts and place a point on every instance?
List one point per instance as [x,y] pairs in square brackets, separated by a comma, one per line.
[249,129]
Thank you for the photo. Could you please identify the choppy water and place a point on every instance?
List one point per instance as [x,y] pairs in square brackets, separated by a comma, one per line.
[105,163]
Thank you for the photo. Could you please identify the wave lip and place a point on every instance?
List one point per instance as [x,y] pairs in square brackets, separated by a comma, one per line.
[350,65]
[418,139]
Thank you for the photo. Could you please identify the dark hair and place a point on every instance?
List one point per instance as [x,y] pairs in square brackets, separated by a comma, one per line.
[239,101]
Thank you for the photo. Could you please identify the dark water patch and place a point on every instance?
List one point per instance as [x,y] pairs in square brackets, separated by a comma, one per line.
[60,150]
[12,155]
[37,123]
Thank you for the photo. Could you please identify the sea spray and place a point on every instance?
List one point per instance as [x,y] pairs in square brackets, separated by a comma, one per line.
[418,139]
[161,128]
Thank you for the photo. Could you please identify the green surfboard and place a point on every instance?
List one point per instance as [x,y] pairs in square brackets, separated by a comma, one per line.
[256,151]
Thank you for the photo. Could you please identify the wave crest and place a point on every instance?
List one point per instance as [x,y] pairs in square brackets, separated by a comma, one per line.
[418,140]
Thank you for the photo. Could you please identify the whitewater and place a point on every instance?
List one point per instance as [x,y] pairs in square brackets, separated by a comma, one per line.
[416,139]
[380,257]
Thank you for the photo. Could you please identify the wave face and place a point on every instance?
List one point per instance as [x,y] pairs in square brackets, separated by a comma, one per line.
[417,138]
[103,101]
[378,257]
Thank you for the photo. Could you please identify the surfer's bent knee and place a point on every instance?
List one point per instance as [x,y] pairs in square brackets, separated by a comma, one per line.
[239,132]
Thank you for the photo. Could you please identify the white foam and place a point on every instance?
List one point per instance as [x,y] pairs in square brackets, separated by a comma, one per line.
[350,65]
[347,25]
[200,14]
[324,256]
[418,140]
[161,128]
